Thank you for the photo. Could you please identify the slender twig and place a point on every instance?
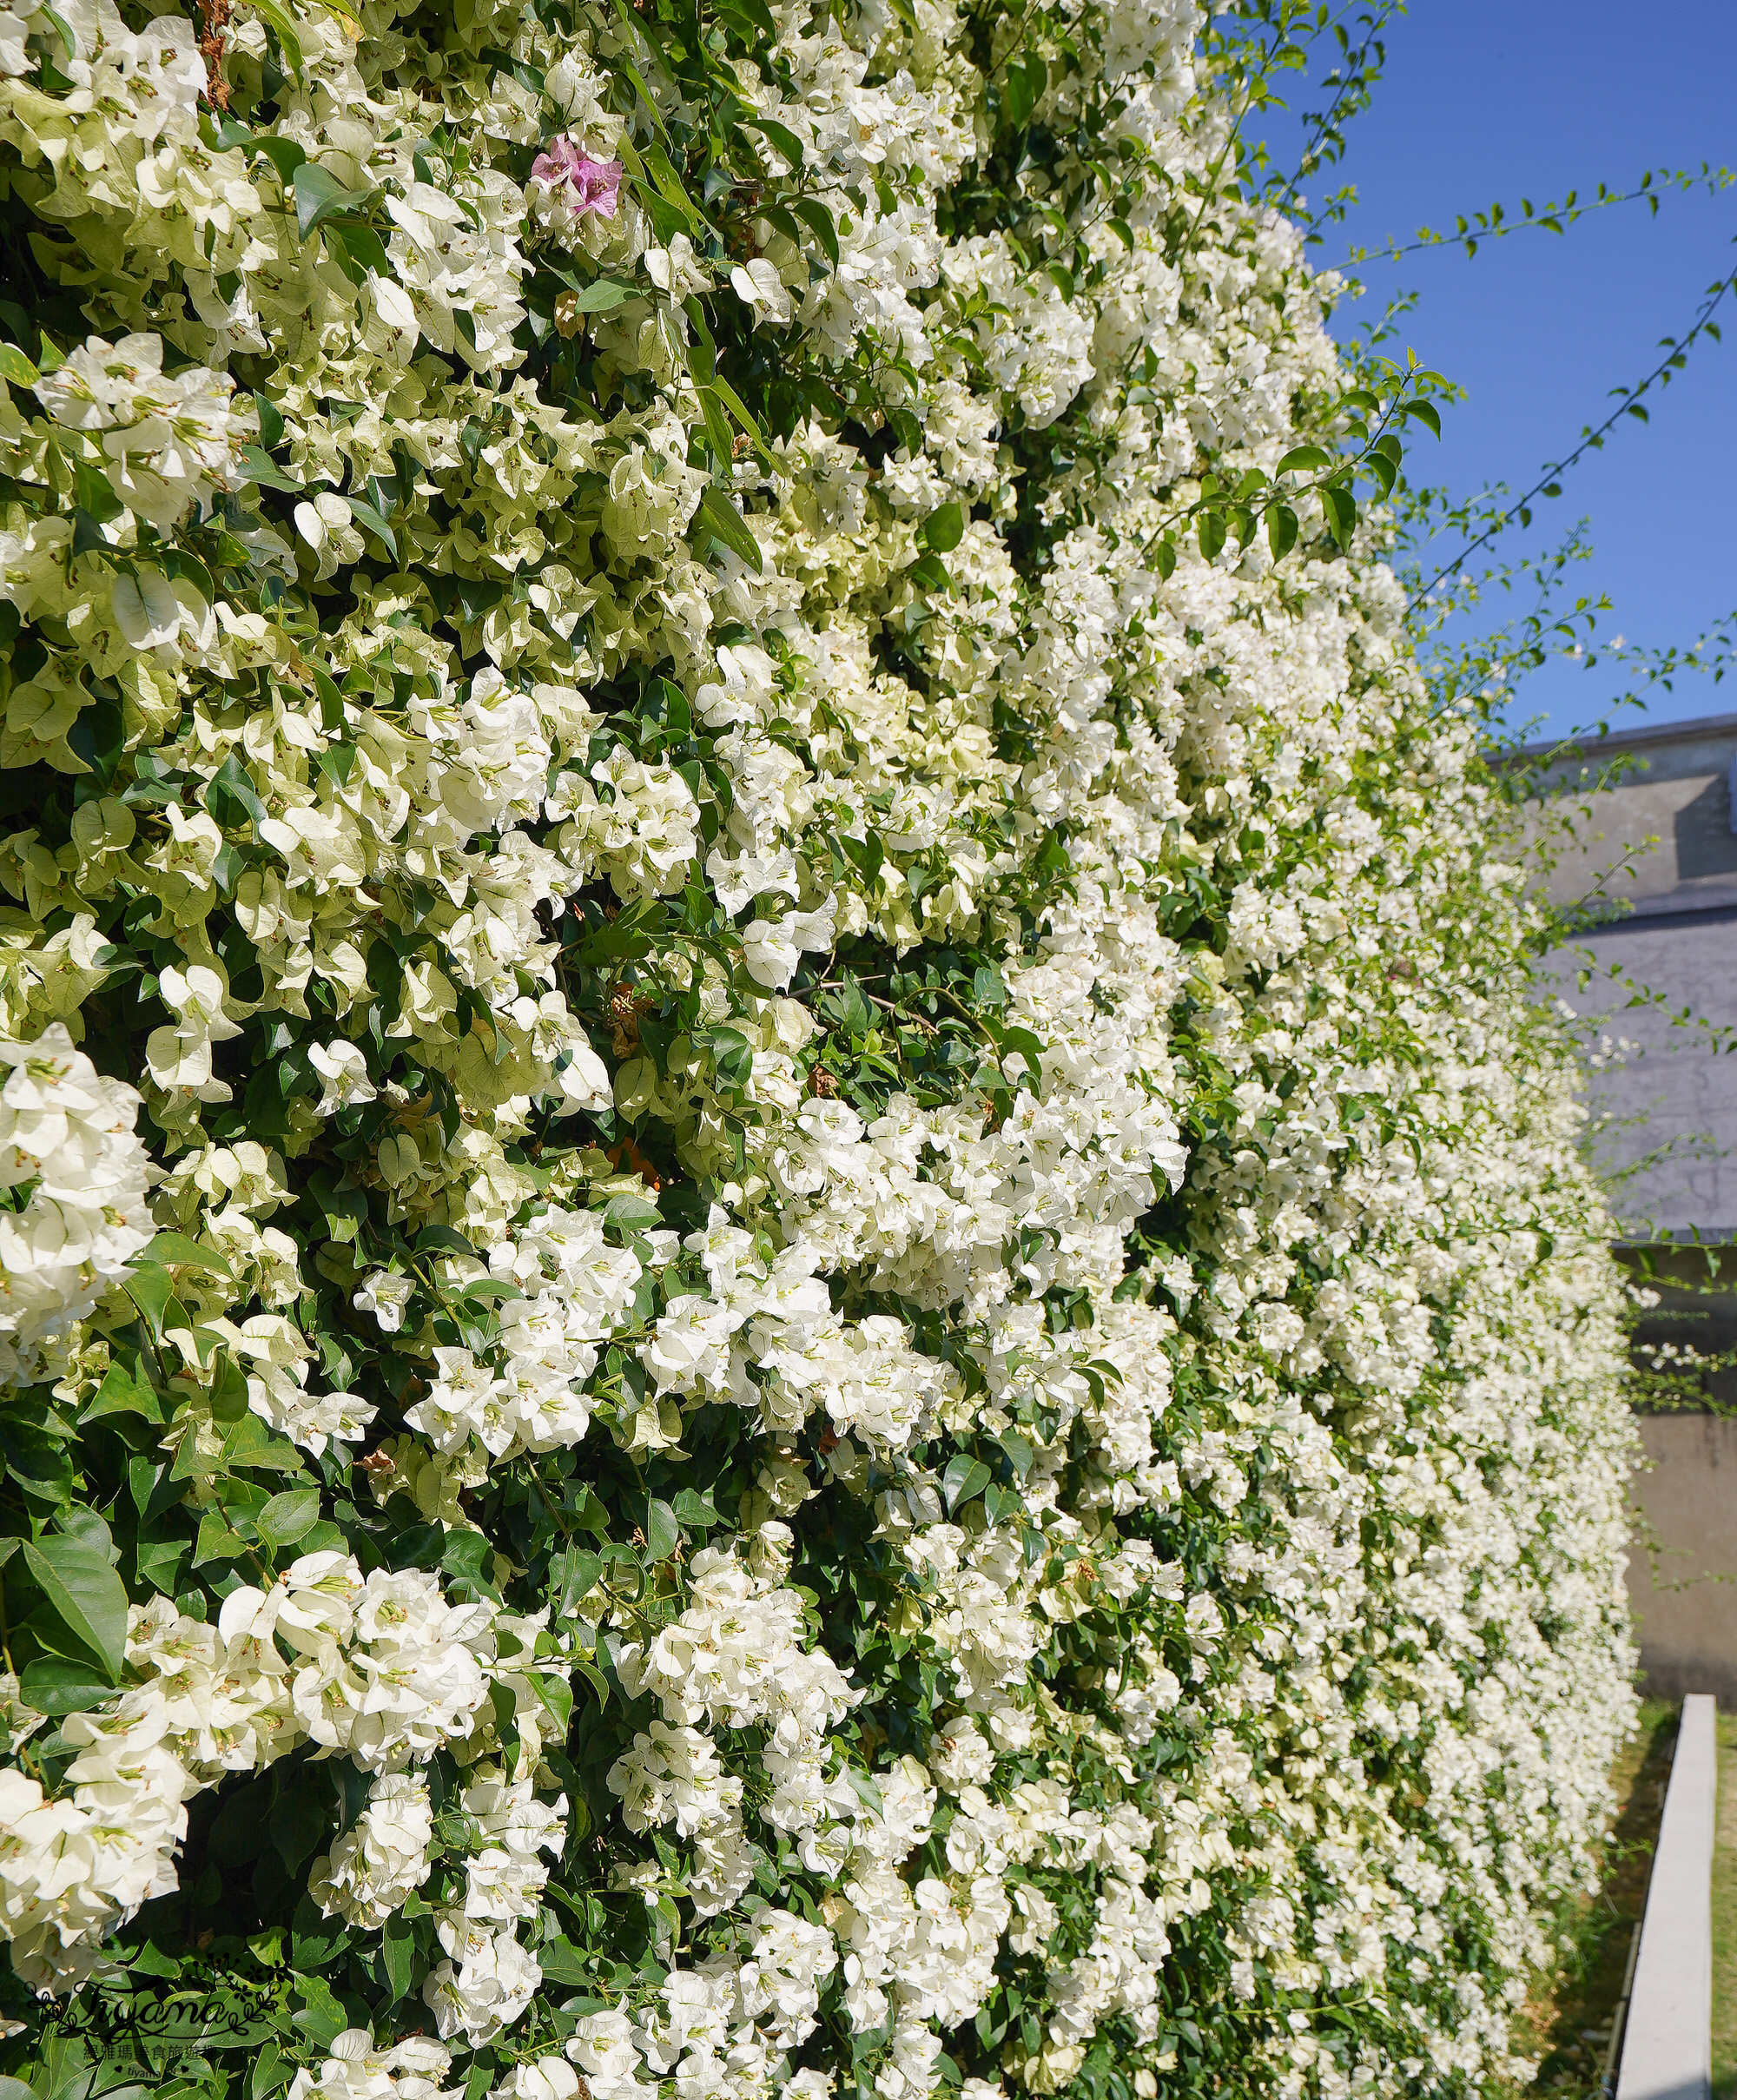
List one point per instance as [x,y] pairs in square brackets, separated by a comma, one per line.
[1590,442]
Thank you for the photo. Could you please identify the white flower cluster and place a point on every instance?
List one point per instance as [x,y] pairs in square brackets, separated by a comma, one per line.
[382,1669]
[75,1178]
[166,443]
[488,1978]
[577,1291]
[734,1658]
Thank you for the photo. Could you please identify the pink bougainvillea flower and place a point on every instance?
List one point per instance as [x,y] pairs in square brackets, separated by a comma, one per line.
[590,186]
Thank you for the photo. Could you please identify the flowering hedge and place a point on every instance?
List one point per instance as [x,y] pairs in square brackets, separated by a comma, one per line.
[794,1297]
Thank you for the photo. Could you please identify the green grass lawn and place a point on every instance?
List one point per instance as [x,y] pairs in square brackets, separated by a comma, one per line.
[1570,2011]
[1724,1919]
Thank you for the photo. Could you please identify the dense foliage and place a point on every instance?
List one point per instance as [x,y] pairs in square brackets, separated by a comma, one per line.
[797,1299]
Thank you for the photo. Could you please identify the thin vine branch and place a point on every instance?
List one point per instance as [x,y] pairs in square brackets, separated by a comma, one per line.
[1591,441]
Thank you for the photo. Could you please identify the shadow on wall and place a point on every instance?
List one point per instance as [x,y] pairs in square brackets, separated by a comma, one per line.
[1682,1568]
[1702,833]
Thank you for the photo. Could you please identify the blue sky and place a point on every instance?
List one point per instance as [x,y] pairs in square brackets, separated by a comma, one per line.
[1531,98]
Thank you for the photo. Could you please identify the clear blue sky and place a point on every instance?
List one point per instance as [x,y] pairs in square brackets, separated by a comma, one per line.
[1500,99]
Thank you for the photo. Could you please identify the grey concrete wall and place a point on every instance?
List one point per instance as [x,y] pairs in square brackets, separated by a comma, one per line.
[1669,813]
[1663,1090]
[1686,1616]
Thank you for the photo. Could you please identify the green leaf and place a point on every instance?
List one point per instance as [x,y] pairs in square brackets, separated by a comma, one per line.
[36,1460]
[271,2070]
[314,1941]
[288,1517]
[249,1443]
[285,155]
[1341,511]
[85,1594]
[867,1789]
[233,801]
[158,1562]
[634,1213]
[176,1246]
[930,574]
[228,1389]
[256,466]
[367,514]
[321,2018]
[561,1962]
[1303,458]
[15,368]
[93,492]
[556,1695]
[88,536]
[1211,530]
[724,521]
[574,1574]
[1027,79]
[216,1540]
[53,1685]
[320,196]
[397,1954]
[819,222]
[1018,1450]
[942,530]
[466,1555]
[696,1511]
[786,141]
[152,1290]
[662,1533]
[360,249]
[601,297]
[964,1478]
[120,1393]
[595,1678]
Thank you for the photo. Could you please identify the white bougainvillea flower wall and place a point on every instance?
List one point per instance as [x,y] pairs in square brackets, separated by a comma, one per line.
[795,1286]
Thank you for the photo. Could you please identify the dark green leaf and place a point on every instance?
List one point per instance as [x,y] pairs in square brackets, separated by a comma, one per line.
[818,220]
[662,1533]
[964,1478]
[561,1962]
[285,155]
[53,1686]
[1025,81]
[942,530]
[85,1594]
[397,1953]
[36,1460]
[724,522]
[320,195]
[366,514]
